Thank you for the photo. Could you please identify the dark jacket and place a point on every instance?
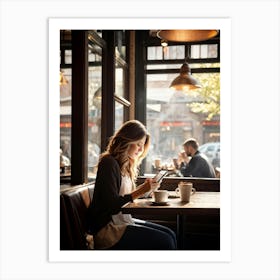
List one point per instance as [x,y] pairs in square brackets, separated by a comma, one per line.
[106,199]
[198,166]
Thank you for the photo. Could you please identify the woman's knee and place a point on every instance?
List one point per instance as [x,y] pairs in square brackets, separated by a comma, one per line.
[155,238]
[164,229]
[144,238]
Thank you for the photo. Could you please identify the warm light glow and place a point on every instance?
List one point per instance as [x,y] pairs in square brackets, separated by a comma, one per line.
[164,43]
[186,35]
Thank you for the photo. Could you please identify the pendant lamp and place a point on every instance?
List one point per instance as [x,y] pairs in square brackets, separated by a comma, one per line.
[185,81]
[186,35]
[98,94]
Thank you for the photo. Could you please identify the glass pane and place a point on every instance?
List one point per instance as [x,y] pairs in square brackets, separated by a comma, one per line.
[171,53]
[174,52]
[65,119]
[119,115]
[195,51]
[213,51]
[174,116]
[154,53]
[94,56]
[119,90]
[94,113]
[204,51]
[68,56]
[120,43]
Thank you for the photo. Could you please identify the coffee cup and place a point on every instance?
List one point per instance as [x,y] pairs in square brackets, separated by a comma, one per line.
[185,190]
[161,196]
[157,163]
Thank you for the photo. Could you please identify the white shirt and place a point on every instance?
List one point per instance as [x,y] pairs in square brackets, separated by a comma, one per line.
[126,188]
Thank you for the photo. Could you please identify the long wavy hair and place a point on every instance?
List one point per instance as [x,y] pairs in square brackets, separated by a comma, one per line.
[119,144]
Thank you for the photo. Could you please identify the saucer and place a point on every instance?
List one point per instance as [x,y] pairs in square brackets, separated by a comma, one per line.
[160,203]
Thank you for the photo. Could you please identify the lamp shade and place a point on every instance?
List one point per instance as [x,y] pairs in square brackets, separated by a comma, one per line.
[185,81]
[98,93]
[187,35]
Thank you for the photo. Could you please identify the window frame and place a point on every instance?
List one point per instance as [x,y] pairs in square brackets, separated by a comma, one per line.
[79,134]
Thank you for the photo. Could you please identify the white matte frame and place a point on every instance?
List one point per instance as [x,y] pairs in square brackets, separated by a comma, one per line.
[222,24]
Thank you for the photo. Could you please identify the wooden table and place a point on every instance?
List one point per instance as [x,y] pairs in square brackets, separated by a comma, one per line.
[201,203]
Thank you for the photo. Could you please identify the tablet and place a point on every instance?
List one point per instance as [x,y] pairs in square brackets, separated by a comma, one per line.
[160,175]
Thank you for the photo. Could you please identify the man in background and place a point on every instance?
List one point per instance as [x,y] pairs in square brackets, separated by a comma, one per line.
[198,165]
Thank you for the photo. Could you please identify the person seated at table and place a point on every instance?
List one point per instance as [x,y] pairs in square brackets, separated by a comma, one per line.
[115,186]
[198,165]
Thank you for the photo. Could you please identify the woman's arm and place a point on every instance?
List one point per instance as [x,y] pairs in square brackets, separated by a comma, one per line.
[107,186]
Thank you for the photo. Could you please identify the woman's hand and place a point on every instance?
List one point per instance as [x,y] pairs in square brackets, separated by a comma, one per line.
[142,189]
[148,186]
[153,184]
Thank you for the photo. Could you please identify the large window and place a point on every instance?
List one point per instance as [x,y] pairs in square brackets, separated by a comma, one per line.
[104,87]
[174,116]
[94,104]
[171,116]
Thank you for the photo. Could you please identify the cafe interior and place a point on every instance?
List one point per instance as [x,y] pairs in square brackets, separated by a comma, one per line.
[168,80]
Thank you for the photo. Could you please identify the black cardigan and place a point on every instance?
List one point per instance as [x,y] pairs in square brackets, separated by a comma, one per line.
[106,199]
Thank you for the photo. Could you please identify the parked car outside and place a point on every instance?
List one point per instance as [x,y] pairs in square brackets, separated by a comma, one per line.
[212,151]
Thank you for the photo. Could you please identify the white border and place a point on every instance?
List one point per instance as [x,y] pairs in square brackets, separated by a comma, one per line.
[55,25]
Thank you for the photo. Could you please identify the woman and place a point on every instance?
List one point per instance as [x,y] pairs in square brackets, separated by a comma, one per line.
[114,186]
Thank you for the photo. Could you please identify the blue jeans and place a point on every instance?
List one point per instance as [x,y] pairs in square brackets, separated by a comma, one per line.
[146,236]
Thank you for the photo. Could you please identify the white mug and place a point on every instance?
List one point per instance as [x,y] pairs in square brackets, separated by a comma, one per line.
[161,196]
[185,190]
